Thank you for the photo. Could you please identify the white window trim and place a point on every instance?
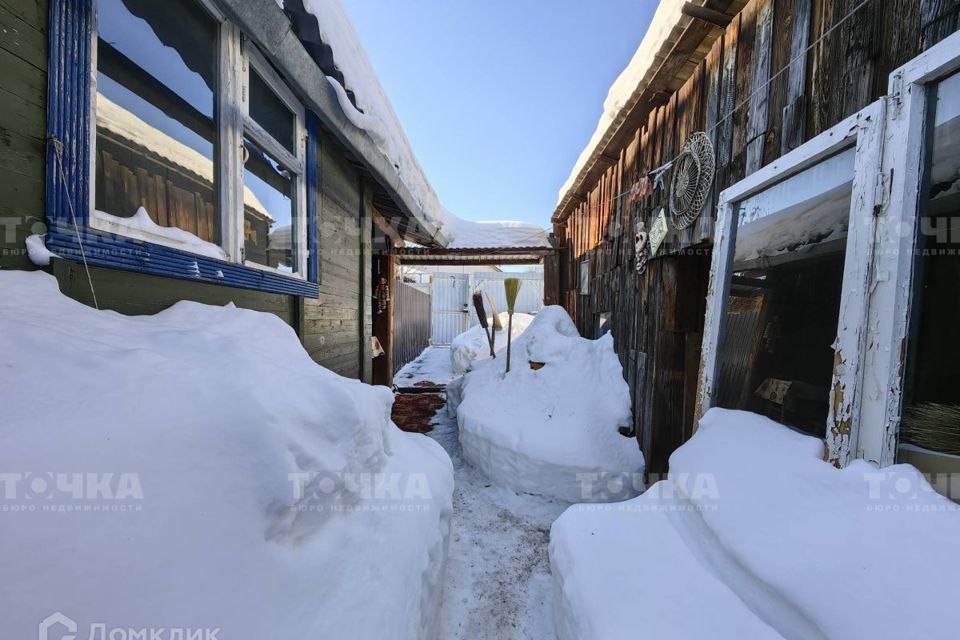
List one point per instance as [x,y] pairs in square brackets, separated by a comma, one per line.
[232,106]
[865,131]
[891,284]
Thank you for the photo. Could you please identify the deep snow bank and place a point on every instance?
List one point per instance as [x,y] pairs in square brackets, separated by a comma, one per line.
[812,551]
[472,345]
[552,431]
[195,469]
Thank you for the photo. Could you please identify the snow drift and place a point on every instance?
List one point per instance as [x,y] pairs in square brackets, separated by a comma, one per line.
[751,509]
[552,431]
[195,469]
[472,345]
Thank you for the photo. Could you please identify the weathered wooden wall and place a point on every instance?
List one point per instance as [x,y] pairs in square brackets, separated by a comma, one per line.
[23,100]
[337,325]
[758,96]
[335,328]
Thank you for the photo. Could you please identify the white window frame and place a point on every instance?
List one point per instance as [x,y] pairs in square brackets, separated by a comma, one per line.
[293,162]
[236,55]
[870,351]
[891,285]
[864,131]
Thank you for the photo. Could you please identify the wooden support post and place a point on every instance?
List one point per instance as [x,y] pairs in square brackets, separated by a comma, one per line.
[383,322]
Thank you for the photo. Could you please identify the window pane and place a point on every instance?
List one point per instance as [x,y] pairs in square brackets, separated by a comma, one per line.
[931,421]
[268,111]
[156,118]
[776,356]
[269,219]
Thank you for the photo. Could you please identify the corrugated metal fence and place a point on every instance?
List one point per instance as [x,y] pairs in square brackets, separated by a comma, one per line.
[411,323]
[453,311]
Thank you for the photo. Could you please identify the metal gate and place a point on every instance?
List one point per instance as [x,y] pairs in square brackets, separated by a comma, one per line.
[529,300]
[452,307]
[450,313]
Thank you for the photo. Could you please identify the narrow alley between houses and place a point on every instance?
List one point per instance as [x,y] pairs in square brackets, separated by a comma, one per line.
[497,582]
[479,320]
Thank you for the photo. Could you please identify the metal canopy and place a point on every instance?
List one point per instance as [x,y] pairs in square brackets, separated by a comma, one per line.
[433,256]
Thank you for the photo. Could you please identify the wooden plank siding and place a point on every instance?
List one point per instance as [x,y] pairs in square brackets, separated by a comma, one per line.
[337,325]
[23,99]
[759,93]
[335,328]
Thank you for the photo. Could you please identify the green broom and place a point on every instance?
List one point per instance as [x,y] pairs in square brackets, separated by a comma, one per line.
[932,426]
[512,288]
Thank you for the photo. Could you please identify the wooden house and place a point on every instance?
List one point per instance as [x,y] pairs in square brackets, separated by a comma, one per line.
[811,281]
[199,150]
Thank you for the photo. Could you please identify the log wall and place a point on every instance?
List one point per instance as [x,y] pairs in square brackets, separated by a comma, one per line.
[758,95]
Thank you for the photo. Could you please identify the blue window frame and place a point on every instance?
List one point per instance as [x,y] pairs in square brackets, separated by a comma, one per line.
[68,191]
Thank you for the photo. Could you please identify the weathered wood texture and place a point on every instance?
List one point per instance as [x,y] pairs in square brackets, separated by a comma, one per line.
[336,326]
[23,100]
[760,91]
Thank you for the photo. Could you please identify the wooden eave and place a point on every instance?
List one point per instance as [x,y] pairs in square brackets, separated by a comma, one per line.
[472,256]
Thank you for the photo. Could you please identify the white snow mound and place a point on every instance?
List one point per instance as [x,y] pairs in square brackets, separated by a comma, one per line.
[552,431]
[472,345]
[809,550]
[235,483]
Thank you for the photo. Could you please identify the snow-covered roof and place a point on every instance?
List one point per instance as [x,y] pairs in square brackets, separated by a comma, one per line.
[366,105]
[629,85]
[467,234]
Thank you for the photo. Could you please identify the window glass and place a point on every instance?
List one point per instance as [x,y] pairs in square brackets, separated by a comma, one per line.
[776,354]
[269,225]
[931,421]
[268,111]
[156,122]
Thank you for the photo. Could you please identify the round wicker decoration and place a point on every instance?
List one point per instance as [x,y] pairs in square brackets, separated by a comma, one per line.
[692,177]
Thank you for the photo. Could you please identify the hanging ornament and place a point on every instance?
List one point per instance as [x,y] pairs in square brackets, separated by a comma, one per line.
[642,188]
[382,294]
[642,246]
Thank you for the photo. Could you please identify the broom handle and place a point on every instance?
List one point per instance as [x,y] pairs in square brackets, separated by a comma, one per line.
[509,338]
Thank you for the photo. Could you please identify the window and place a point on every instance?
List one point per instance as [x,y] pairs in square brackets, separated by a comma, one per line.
[273,222]
[788,296]
[192,155]
[156,122]
[784,296]
[584,284]
[929,436]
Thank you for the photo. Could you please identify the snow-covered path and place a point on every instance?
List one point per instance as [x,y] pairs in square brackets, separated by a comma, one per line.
[498,575]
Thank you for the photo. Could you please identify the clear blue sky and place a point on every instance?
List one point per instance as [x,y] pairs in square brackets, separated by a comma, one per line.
[498,97]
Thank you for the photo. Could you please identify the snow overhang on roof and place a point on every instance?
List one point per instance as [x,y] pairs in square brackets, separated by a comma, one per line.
[314,45]
[675,42]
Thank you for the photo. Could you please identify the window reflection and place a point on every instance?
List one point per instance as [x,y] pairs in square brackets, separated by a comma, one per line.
[156,117]
[269,226]
[268,111]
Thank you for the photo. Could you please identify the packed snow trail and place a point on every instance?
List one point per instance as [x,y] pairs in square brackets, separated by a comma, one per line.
[497,584]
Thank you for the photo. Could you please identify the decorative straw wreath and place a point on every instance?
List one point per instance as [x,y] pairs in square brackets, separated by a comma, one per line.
[692,177]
